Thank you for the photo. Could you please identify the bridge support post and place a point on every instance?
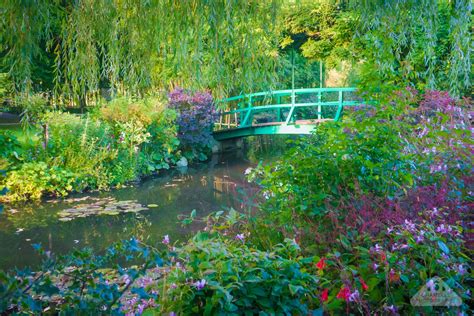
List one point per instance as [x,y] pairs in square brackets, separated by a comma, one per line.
[339,108]
[319,106]
[279,109]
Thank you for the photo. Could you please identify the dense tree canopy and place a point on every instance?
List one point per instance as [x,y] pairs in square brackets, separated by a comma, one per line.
[79,48]
[137,45]
[399,42]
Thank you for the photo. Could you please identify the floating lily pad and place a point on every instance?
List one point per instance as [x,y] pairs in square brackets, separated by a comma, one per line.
[107,206]
[152,205]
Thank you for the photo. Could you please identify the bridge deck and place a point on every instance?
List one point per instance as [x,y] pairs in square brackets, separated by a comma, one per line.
[299,127]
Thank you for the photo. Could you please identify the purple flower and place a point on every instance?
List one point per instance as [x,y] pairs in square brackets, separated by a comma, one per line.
[431,286]
[200,284]
[126,279]
[444,229]
[145,281]
[408,225]
[166,240]
[392,309]
[375,266]
[240,237]
[354,296]
[460,269]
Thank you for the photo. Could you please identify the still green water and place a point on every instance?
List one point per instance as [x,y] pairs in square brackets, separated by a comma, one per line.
[217,185]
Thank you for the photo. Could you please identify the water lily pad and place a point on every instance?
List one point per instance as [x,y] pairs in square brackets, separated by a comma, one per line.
[108,206]
[152,205]
[109,213]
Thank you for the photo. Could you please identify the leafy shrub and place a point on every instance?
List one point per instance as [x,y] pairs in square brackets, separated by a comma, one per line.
[35,179]
[210,274]
[215,275]
[81,144]
[367,276]
[376,161]
[196,116]
[115,144]
[11,148]
[223,273]
[389,187]
[146,127]
[161,150]
[125,110]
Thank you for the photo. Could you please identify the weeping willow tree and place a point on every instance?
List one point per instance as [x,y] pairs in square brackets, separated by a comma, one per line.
[79,48]
[425,42]
[138,46]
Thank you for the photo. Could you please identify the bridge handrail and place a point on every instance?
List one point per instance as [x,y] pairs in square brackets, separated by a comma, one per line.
[289,105]
[286,92]
[246,107]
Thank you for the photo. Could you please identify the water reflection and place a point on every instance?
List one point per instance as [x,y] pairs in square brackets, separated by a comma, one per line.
[205,188]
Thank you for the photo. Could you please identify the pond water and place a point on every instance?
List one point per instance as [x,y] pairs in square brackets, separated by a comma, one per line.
[148,210]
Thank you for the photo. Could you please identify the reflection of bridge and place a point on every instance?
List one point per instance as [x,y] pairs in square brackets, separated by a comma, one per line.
[295,111]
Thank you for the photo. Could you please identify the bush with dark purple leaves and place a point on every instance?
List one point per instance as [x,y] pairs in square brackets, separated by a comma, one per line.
[196,116]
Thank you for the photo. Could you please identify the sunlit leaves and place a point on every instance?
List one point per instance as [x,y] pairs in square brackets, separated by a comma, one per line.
[132,47]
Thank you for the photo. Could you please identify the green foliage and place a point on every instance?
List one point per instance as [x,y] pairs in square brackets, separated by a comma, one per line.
[218,44]
[10,145]
[33,107]
[34,179]
[147,124]
[82,144]
[306,72]
[118,143]
[221,275]
[6,88]
[322,30]
[207,275]
[425,43]
[160,151]
[380,152]
[382,274]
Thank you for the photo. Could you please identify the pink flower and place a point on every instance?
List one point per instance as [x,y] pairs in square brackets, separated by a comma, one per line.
[344,293]
[321,264]
[324,295]
[166,240]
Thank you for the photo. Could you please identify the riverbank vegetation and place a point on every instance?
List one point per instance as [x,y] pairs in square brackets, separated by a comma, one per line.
[111,145]
[354,219]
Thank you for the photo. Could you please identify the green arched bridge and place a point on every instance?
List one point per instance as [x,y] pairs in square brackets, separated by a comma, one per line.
[294,111]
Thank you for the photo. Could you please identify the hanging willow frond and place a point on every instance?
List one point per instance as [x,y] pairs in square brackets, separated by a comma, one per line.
[139,46]
[402,34]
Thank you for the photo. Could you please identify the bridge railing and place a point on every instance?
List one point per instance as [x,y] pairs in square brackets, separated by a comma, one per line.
[284,107]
